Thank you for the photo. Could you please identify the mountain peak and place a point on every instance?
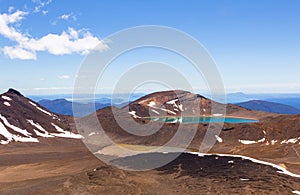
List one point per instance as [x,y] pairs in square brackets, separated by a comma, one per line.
[13,91]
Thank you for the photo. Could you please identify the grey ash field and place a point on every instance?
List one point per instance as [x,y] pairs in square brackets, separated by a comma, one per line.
[42,153]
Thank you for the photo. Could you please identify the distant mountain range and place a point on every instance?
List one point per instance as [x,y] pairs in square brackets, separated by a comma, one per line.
[269,107]
[287,99]
[65,107]
[62,106]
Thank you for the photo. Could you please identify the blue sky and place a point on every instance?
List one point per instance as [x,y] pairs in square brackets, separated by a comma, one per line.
[256,44]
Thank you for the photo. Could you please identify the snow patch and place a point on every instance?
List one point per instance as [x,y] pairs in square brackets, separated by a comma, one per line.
[65,134]
[59,129]
[5,133]
[242,179]
[168,111]
[280,169]
[217,114]
[247,142]
[173,102]
[151,104]
[180,106]
[91,134]
[40,109]
[155,111]
[26,139]
[220,140]
[39,127]
[42,134]
[273,142]
[133,114]
[10,137]
[261,140]
[2,142]
[68,135]
[264,132]
[17,129]
[6,104]
[231,162]
[292,141]
[32,104]
[296,192]
[6,98]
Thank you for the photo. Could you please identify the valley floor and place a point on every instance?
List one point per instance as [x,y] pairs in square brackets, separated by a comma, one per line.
[66,167]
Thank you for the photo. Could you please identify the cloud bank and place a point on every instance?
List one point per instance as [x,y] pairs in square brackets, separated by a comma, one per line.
[69,41]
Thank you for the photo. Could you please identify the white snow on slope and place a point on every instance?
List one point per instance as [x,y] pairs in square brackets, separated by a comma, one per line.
[280,169]
[220,140]
[151,104]
[273,142]
[17,129]
[247,142]
[6,98]
[168,111]
[155,111]
[42,134]
[173,102]
[293,141]
[296,192]
[68,135]
[10,137]
[218,115]
[133,114]
[32,104]
[5,133]
[26,139]
[39,127]
[40,109]
[65,134]
[180,106]
[261,140]
[242,179]
[59,129]
[6,103]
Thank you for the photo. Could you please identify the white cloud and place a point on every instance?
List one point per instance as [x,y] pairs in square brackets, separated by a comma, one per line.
[10,9]
[19,53]
[9,31]
[44,12]
[64,77]
[40,4]
[68,17]
[68,42]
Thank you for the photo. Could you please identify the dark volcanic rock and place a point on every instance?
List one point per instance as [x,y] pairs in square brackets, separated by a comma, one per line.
[13,91]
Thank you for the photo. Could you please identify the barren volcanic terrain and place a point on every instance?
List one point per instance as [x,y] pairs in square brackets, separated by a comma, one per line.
[42,153]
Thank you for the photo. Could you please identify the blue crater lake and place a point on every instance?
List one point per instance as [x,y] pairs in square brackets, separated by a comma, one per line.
[194,120]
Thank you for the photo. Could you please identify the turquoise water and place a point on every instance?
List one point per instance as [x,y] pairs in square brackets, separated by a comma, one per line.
[193,120]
